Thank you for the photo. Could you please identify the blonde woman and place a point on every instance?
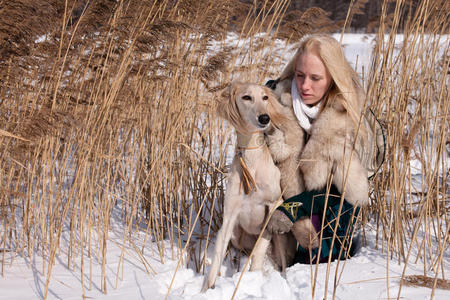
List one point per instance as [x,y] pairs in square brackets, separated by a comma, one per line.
[328,101]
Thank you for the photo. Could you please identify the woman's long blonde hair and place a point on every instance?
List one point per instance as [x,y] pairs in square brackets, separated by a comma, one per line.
[345,88]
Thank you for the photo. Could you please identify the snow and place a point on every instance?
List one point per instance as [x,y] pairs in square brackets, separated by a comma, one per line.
[362,277]
[371,274]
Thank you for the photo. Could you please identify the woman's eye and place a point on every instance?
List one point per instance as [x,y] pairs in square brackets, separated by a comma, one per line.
[300,75]
[265,97]
[316,78]
[246,97]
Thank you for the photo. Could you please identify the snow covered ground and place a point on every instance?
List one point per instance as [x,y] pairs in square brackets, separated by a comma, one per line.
[364,276]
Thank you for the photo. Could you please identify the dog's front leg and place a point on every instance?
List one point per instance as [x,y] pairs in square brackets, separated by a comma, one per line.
[260,250]
[222,240]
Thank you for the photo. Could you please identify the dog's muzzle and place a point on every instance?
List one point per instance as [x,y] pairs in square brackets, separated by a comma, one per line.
[264,119]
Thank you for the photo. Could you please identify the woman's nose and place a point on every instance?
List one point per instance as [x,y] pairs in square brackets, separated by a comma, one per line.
[306,85]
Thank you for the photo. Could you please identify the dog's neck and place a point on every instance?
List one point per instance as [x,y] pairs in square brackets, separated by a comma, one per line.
[250,141]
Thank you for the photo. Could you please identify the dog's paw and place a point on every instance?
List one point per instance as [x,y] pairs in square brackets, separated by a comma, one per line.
[279,223]
[207,284]
[305,233]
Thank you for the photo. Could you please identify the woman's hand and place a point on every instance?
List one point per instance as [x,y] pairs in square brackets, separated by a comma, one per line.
[306,234]
[279,223]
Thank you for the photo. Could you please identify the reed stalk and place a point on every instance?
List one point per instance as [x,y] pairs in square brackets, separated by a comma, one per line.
[108,124]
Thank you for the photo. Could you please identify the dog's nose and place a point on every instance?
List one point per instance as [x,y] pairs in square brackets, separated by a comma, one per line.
[264,119]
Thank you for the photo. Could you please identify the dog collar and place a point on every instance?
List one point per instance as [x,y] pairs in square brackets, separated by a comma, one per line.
[251,141]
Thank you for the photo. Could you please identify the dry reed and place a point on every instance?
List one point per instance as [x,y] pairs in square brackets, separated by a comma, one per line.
[108,119]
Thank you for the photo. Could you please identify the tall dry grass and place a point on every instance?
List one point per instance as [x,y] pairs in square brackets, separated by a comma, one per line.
[408,87]
[108,120]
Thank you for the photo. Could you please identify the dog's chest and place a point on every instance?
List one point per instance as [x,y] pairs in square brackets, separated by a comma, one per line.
[252,216]
[254,206]
[264,172]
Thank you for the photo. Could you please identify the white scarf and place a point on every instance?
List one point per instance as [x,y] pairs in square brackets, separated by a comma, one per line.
[303,112]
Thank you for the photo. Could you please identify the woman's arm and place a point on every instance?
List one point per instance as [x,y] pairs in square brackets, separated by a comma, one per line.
[330,150]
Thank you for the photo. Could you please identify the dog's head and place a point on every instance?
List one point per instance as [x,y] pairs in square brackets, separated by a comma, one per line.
[246,107]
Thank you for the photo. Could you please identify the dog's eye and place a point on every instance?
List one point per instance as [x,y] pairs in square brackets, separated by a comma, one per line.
[265,97]
[246,97]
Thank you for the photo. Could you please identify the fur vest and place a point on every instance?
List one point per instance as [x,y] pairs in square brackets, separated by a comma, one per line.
[330,149]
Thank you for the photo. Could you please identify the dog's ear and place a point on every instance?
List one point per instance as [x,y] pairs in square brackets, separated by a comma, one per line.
[226,92]
[226,107]
[235,86]
[223,101]
[229,92]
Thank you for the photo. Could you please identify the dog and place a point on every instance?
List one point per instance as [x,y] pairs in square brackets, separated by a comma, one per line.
[253,183]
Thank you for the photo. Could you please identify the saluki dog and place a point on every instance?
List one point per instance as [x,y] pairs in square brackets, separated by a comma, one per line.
[253,183]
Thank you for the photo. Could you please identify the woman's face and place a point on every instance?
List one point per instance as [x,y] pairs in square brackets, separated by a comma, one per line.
[312,78]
